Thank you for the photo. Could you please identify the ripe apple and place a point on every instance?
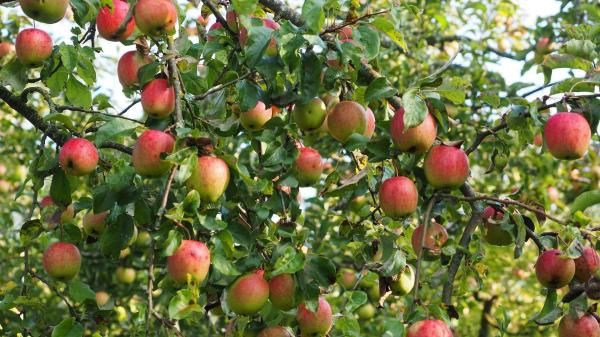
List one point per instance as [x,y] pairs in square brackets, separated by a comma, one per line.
[125,275]
[129,65]
[587,264]
[345,33]
[308,166]
[282,291]
[366,311]
[398,197]
[78,157]
[346,277]
[275,331]
[429,328]
[370,130]
[94,224]
[567,135]
[310,115]
[62,261]
[446,167]
[248,294]
[156,17]
[191,258]
[585,326]
[494,233]
[255,118]
[6,48]
[146,157]
[158,97]
[102,298]
[435,237]
[33,46]
[554,270]
[210,178]
[315,323]
[346,118]
[417,139]
[404,281]
[47,11]
[109,19]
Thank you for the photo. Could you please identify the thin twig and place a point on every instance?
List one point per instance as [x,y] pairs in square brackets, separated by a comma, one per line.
[150,286]
[426,221]
[57,292]
[92,111]
[175,81]
[220,18]
[220,87]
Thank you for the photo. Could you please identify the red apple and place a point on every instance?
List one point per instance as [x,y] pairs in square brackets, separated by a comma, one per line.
[47,11]
[6,48]
[33,46]
[94,224]
[156,17]
[147,153]
[62,261]
[255,118]
[282,291]
[554,270]
[435,237]
[346,118]
[345,33]
[429,328]
[191,259]
[417,139]
[210,178]
[275,331]
[129,65]
[446,167]
[398,197]
[109,19]
[370,130]
[308,166]
[158,97]
[315,323]
[585,326]
[587,264]
[78,157]
[538,140]
[567,135]
[248,294]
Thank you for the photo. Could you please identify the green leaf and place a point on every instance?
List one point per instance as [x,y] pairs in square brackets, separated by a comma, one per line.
[379,89]
[244,7]
[348,327]
[289,262]
[224,266]
[68,328]
[14,74]
[321,270]
[83,11]
[60,189]
[57,81]
[415,109]
[370,40]
[30,230]
[310,76]
[354,300]
[116,127]
[556,61]
[171,243]
[585,200]
[77,93]
[259,38]
[146,72]
[80,291]
[183,305]
[313,15]
[387,27]
[68,56]
[117,235]
[551,311]
[249,93]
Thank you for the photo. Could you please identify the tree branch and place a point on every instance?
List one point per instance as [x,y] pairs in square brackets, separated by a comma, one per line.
[351,22]
[174,78]
[220,18]
[282,10]
[426,223]
[72,311]
[220,87]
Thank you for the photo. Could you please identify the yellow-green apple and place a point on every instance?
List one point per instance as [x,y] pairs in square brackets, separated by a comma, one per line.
[158,97]
[553,270]
[494,233]
[429,328]
[567,135]
[110,18]
[310,115]
[143,239]
[125,275]
[255,118]
[156,17]
[435,237]
[446,166]
[46,11]
[62,261]
[94,224]
[210,178]
[282,291]
[128,66]
[102,298]
[346,277]
[315,323]
[33,46]
[366,311]
[398,197]
[417,139]
[308,166]
[248,294]
[78,157]
[404,281]
[346,118]
[584,326]
[275,331]
[147,152]
[587,264]
[190,261]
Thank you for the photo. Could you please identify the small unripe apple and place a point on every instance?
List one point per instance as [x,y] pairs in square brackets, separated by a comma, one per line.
[404,282]
[156,17]
[121,314]
[417,139]
[373,293]
[315,323]
[585,326]
[125,275]
[308,166]
[587,264]
[128,66]
[494,233]
[398,197]
[366,311]
[282,291]
[553,270]
[538,140]
[567,135]
[255,118]
[543,45]
[94,224]
[109,19]
[78,157]
[146,156]
[191,259]
[210,178]
[310,115]
[62,261]
[429,328]
[102,298]
[143,239]
[370,129]
[275,331]
[6,48]
[47,11]
[158,97]
[435,237]
[346,118]
[33,46]
[248,294]
[346,277]
[446,167]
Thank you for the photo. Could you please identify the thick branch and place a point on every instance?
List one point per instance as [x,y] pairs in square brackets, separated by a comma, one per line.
[351,22]
[174,78]
[282,10]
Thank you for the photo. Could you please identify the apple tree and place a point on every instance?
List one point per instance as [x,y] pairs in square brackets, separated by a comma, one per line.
[316,168]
